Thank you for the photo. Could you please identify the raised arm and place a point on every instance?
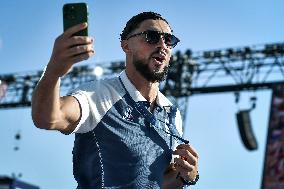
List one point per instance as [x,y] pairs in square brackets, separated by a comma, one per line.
[49,110]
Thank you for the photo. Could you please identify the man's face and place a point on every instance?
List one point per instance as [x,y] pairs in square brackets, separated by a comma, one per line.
[151,60]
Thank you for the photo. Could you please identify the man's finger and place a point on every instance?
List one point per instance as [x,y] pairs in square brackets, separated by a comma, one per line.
[185,174]
[81,57]
[186,156]
[79,40]
[72,30]
[189,148]
[80,49]
[184,164]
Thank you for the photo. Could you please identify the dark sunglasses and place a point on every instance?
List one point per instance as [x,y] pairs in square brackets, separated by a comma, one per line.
[153,37]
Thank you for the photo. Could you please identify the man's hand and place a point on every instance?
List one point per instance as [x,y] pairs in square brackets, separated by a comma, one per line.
[186,163]
[68,50]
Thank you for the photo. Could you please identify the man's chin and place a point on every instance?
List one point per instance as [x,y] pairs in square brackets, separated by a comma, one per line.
[151,72]
[157,69]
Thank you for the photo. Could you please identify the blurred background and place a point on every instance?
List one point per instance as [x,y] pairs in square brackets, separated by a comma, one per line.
[44,158]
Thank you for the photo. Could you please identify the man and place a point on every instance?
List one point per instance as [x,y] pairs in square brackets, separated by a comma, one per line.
[125,128]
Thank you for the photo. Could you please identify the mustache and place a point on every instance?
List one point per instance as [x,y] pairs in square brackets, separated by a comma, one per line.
[158,52]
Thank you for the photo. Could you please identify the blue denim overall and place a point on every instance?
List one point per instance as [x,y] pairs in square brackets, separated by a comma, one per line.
[125,150]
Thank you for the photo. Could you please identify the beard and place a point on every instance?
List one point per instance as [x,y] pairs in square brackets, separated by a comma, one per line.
[152,76]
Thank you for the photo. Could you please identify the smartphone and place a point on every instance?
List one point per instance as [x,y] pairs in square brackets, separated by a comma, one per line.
[73,14]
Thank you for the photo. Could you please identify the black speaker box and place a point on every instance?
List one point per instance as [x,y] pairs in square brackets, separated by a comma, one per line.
[245,129]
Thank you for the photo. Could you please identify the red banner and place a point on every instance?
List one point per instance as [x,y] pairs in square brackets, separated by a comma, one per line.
[273,174]
[3,89]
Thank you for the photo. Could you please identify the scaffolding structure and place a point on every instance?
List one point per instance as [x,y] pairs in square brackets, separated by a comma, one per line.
[221,70]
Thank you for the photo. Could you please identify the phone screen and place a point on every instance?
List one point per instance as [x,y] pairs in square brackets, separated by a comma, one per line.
[73,14]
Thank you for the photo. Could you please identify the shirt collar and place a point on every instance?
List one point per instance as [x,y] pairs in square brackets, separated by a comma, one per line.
[136,95]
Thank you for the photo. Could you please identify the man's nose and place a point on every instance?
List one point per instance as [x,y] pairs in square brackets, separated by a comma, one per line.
[162,42]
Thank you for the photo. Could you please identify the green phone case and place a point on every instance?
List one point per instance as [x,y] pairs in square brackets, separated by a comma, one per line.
[73,14]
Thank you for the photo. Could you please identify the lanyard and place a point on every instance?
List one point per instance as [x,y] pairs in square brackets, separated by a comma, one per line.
[150,118]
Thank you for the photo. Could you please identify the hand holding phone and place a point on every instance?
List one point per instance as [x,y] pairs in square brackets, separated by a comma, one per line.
[74,45]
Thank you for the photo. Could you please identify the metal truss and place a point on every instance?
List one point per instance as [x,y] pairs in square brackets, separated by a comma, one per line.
[223,70]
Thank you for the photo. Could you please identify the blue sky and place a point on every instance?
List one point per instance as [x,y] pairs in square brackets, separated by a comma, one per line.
[27,33]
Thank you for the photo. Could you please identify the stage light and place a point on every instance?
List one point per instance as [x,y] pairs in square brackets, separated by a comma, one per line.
[247,52]
[9,79]
[208,54]
[98,71]
[274,49]
[188,53]
[217,54]
[117,66]
[178,55]
[192,66]
[230,53]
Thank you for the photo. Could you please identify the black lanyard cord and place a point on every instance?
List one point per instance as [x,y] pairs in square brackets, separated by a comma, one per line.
[150,118]
[173,135]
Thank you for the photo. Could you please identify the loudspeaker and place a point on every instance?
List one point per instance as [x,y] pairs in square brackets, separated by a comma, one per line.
[245,129]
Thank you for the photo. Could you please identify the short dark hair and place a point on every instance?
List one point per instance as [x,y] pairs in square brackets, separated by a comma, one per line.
[136,20]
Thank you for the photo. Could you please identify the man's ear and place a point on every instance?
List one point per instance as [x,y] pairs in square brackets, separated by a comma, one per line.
[125,46]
